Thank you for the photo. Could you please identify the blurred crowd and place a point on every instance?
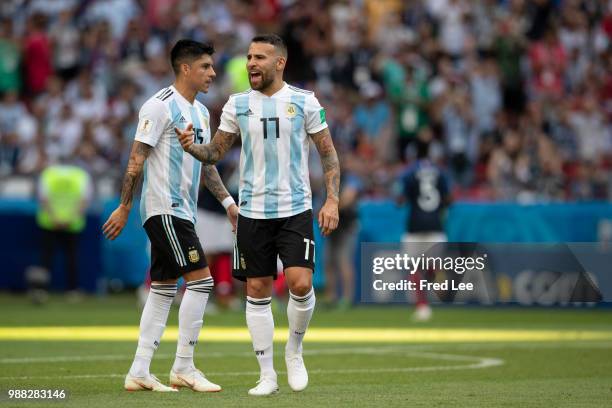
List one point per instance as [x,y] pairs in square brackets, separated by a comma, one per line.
[516,95]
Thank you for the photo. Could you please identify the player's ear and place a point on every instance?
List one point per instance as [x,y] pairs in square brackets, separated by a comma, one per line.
[280,63]
[185,68]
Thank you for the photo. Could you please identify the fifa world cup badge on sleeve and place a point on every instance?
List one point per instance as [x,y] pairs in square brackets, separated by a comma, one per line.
[145,126]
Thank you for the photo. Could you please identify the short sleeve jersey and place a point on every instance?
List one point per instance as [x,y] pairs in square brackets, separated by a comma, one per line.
[171,176]
[274,178]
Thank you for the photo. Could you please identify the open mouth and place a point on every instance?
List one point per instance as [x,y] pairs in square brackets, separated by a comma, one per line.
[254,75]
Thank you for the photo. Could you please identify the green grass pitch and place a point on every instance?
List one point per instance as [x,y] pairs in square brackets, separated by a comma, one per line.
[571,366]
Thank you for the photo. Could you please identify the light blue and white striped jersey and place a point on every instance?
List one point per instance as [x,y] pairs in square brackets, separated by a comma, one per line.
[171,176]
[274,179]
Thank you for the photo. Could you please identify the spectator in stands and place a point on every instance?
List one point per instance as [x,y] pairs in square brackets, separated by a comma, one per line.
[373,117]
[590,127]
[509,46]
[457,120]
[65,38]
[589,183]
[37,59]
[548,59]
[467,70]
[10,58]
[407,87]
[486,94]
[509,168]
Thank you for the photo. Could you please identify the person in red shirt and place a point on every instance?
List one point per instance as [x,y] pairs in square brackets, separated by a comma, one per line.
[37,58]
[548,60]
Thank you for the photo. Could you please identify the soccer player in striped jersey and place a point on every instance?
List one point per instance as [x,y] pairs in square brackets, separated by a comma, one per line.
[168,210]
[276,122]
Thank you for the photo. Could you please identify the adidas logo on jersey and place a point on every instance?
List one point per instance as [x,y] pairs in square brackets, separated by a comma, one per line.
[249,112]
[182,119]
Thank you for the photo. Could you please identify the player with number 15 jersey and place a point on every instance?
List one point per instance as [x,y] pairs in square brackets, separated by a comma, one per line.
[171,179]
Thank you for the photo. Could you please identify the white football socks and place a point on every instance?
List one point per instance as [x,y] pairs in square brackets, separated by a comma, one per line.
[299,312]
[191,318]
[152,325]
[261,326]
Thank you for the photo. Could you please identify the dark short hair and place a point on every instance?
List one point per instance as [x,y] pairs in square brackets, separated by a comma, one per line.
[273,39]
[185,51]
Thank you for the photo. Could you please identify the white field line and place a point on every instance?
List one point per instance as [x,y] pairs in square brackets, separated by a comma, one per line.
[207,354]
[334,351]
[473,362]
[578,344]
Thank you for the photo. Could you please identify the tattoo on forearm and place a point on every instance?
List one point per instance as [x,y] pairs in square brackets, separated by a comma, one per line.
[329,161]
[216,149]
[140,152]
[213,182]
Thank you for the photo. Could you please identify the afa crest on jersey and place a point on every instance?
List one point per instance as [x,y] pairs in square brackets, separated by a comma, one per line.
[291,110]
[194,256]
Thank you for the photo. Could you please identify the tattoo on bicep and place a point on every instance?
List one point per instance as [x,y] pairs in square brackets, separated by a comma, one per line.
[140,152]
[213,152]
[329,161]
[213,182]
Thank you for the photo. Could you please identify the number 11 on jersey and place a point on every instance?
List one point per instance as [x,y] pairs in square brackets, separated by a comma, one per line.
[265,126]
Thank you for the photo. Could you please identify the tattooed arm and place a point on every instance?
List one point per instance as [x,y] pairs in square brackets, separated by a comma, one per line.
[328,216]
[206,153]
[213,182]
[117,220]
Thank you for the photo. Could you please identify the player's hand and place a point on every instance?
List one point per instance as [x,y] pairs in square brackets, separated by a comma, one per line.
[185,137]
[115,223]
[328,217]
[232,215]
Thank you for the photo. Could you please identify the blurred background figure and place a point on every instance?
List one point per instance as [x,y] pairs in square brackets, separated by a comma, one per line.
[64,193]
[340,247]
[37,59]
[217,236]
[424,187]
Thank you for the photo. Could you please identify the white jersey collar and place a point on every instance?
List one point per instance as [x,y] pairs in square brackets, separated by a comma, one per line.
[182,98]
[281,90]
